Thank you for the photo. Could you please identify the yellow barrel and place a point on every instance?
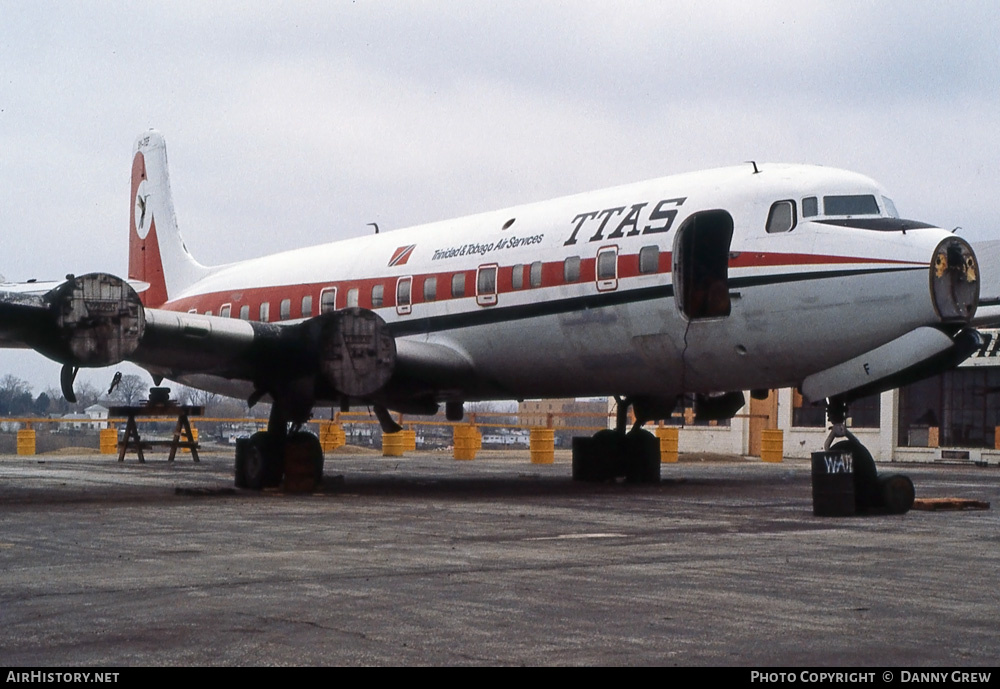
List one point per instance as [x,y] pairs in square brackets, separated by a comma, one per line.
[409,440]
[26,442]
[467,440]
[194,436]
[668,436]
[393,444]
[771,445]
[331,436]
[109,441]
[542,445]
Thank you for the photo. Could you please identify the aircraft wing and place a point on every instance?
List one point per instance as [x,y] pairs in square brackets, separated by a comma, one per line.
[20,314]
[97,320]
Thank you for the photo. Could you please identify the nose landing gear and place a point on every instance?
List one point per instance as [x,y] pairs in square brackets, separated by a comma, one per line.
[889,494]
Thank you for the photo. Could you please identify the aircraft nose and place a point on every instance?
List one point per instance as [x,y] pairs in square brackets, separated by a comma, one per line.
[954,280]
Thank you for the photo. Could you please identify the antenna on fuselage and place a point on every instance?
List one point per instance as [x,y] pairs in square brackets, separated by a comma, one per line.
[375,225]
[754,163]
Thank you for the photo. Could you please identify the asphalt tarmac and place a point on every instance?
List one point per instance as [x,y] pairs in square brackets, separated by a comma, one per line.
[424,560]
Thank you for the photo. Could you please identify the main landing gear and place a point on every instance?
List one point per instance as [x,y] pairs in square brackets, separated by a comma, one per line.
[611,454]
[892,494]
[263,459]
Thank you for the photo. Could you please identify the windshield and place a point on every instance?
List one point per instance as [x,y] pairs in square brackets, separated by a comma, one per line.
[858,204]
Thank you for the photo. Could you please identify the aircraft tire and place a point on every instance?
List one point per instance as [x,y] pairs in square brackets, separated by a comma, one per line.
[303,459]
[585,460]
[242,445]
[254,461]
[642,457]
[264,463]
[867,494]
[609,455]
[897,493]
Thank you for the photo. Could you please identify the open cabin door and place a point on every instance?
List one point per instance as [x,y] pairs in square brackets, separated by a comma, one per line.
[701,265]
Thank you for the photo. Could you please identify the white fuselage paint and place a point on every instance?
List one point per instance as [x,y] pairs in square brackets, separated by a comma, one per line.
[787,320]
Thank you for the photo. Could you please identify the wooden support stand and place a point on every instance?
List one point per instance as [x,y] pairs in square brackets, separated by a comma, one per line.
[182,429]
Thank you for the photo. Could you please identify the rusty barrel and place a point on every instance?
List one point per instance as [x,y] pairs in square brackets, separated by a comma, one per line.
[409,440]
[669,437]
[771,445]
[109,441]
[331,436]
[26,442]
[542,444]
[467,441]
[393,444]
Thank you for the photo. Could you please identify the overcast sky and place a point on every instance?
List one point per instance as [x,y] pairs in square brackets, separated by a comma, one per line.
[290,124]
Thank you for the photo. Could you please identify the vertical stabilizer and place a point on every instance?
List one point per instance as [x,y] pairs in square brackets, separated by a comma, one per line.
[157,253]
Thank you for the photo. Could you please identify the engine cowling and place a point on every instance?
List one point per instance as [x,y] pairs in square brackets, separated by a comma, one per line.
[98,320]
[357,353]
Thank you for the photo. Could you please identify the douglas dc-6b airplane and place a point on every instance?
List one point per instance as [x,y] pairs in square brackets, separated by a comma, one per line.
[750,277]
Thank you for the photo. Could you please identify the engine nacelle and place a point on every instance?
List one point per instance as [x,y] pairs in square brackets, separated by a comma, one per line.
[357,353]
[98,320]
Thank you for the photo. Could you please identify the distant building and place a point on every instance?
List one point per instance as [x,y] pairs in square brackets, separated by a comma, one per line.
[569,417]
[94,417]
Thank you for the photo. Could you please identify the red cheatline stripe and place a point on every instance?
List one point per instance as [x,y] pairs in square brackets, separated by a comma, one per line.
[552,276]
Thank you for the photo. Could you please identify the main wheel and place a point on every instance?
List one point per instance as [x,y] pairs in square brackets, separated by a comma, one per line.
[596,459]
[303,462]
[609,453]
[263,464]
[642,457]
[866,489]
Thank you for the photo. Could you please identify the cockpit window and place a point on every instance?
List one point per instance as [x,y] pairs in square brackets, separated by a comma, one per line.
[810,207]
[781,218]
[860,204]
[890,207]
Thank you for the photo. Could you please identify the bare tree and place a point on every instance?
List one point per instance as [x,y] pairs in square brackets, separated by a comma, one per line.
[130,390]
[15,396]
[87,394]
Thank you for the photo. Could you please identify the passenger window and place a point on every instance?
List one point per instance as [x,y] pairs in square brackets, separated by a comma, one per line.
[265,311]
[607,268]
[352,297]
[782,217]
[458,285]
[307,306]
[571,269]
[209,312]
[377,295]
[535,274]
[810,207]
[245,312]
[486,285]
[285,310]
[517,276]
[328,300]
[225,311]
[430,289]
[403,295]
[649,259]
